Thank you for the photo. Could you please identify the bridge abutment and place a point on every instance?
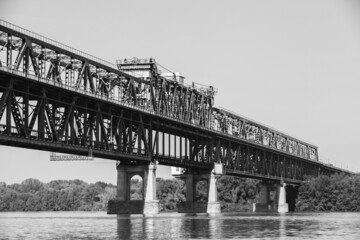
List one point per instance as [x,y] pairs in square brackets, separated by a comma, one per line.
[272,198]
[211,206]
[122,204]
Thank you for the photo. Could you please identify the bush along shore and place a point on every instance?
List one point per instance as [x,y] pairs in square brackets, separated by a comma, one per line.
[325,193]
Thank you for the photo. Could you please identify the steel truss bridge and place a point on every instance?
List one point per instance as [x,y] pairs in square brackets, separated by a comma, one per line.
[56,98]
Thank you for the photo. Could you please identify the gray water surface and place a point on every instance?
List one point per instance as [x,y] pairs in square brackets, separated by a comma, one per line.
[99,225]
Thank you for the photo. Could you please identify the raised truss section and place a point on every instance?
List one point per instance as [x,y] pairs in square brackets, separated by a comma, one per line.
[168,94]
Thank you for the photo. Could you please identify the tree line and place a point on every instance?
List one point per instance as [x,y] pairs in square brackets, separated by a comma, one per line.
[57,195]
[77,195]
[233,193]
[338,192]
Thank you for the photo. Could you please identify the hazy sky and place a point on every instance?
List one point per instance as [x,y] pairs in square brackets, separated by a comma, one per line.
[292,65]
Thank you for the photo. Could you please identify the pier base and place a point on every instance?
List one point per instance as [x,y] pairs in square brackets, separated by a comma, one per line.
[278,204]
[212,206]
[199,207]
[147,208]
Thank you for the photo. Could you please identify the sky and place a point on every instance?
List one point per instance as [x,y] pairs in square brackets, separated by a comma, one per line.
[292,65]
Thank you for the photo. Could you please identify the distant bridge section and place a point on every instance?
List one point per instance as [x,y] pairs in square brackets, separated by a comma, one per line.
[56,98]
[236,125]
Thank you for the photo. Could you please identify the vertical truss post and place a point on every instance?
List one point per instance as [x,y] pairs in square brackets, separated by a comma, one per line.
[85,136]
[229,155]
[121,130]
[210,151]
[247,162]
[150,140]
[186,148]
[72,127]
[157,138]
[26,109]
[163,144]
[8,113]
[41,121]
[130,133]
[169,144]
[181,140]
[42,62]
[9,51]
[97,128]
[139,133]
[175,143]
[26,57]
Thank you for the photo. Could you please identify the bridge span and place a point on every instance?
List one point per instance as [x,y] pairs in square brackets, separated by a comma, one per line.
[56,98]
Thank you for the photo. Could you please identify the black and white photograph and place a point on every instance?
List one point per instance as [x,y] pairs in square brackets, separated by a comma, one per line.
[163,119]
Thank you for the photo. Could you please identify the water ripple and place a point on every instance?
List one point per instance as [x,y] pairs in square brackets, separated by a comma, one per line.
[99,225]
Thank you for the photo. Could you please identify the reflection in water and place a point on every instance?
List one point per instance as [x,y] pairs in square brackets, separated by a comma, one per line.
[124,227]
[84,225]
[176,226]
[282,227]
[150,228]
[215,228]
[159,227]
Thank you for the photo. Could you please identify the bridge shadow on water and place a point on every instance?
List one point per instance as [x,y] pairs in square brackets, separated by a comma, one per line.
[220,226]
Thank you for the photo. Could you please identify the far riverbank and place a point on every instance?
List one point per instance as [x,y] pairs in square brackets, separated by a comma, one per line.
[324,193]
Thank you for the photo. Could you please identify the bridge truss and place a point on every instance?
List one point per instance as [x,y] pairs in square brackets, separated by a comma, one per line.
[56,98]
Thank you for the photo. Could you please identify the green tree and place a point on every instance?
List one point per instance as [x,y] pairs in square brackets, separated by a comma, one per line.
[136,189]
[338,192]
[170,192]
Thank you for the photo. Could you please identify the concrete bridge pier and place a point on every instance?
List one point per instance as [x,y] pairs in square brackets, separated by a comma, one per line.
[263,202]
[272,198]
[212,206]
[282,206]
[122,204]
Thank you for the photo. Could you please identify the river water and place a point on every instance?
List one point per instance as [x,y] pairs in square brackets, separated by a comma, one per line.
[99,225]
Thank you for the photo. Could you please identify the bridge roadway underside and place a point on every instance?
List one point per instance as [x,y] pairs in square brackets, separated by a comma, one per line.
[44,115]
